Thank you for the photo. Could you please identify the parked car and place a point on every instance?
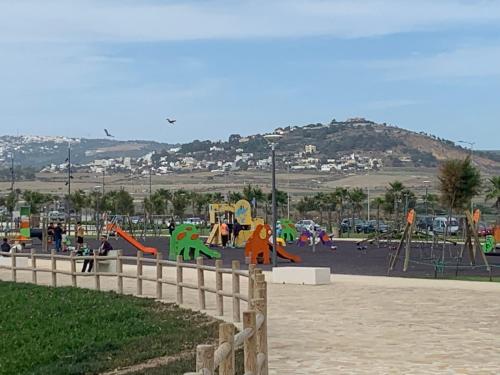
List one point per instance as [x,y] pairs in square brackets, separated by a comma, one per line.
[425,223]
[440,224]
[57,216]
[359,224]
[193,221]
[306,225]
[370,226]
[483,229]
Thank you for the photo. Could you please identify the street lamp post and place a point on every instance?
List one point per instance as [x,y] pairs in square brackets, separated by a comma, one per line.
[471,145]
[273,138]
[426,210]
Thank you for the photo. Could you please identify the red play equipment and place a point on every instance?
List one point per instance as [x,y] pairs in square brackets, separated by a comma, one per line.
[258,247]
[112,227]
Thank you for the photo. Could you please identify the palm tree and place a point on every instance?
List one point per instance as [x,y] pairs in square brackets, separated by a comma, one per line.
[341,195]
[320,204]
[217,197]
[393,197]
[305,205]
[356,198]
[493,193]
[330,201]
[234,196]
[459,182]
[254,195]
[378,202]
[180,200]
[79,200]
[167,197]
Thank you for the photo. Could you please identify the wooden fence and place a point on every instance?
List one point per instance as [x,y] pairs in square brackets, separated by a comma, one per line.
[253,337]
[19,262]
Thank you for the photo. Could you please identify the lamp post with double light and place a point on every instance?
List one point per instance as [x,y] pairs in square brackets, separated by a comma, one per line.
[273,140]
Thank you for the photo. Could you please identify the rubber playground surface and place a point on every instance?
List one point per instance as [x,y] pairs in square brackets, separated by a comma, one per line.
[349,260]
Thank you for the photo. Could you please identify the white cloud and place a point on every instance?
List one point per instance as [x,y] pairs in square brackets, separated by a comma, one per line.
[389,103]
[118,20]
[471,61]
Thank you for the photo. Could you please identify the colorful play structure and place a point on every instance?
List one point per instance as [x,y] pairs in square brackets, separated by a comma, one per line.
[113,227]
[288,230]
[186,241]
[259,246]
[240,211]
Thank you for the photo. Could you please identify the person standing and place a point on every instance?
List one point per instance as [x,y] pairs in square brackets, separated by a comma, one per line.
[224,232]
[236,231]
[58,232]
[80,233]
[171,226]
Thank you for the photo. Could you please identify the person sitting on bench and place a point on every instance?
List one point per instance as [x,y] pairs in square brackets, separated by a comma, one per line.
[5,246]
[104,249]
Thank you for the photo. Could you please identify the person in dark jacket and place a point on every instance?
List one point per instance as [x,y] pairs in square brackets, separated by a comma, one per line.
[171,226]
[5,246]
[104,250]
[236,231]
[58,232]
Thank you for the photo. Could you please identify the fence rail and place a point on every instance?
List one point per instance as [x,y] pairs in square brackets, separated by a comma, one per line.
[20,262]
[253,337]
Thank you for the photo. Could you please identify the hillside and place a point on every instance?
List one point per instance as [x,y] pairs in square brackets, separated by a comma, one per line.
[40,151]
[339,147]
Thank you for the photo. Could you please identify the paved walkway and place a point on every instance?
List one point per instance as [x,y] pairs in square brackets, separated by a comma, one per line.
[363,324]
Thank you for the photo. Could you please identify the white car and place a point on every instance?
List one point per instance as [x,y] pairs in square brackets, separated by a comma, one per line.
[193,221]
[440,223]
[306,224]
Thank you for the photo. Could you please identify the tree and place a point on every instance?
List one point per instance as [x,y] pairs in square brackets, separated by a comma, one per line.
[251,193]
[118,202]
[180,200]
[459,182]
[305,205]
[234,196]
[330,202]
[35,199]
[281,201]
[393,198]
[79,200]
[217,197]
[341,194]
[493,193]
[378,203]
[356,198]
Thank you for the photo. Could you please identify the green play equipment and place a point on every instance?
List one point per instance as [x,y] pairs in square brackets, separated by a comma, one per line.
[185,241]
[489,244]
[288,230]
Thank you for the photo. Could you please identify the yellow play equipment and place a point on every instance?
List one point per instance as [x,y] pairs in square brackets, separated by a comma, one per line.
[240,211]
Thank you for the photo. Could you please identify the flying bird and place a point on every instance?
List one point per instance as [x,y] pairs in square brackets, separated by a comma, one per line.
[171,121]
[108,134]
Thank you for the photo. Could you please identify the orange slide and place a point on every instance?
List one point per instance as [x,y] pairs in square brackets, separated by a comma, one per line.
[130,239]
[282,253]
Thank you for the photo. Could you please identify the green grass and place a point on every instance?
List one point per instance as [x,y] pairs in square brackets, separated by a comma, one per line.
[77,331]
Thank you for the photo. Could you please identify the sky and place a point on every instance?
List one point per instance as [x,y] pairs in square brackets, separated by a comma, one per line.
[73,68]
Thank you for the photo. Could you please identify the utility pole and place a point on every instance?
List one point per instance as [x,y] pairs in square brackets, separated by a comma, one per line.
[12,172]
[368,191]
[103,176]
[275,232]
[288,194]
[68,221]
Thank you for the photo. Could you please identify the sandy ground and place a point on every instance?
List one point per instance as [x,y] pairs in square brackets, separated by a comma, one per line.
[362,324]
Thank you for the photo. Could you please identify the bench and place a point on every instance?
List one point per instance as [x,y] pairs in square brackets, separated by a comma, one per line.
[301,275]
[108,266]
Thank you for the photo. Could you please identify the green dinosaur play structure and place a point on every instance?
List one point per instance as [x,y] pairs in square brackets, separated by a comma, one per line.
[489,245]
[186,241]
[288,230]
